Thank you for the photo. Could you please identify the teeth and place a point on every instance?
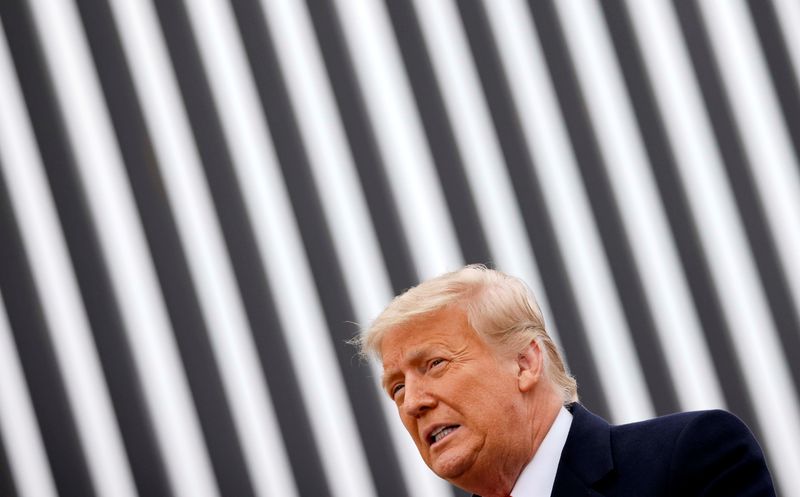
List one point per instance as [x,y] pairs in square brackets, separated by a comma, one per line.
[442,433]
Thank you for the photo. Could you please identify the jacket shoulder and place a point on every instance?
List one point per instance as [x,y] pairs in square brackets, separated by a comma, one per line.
[717,454]
[701,453]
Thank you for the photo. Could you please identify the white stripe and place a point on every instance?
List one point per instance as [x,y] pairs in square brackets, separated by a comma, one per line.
[587,268]
[300,313]
[343,201]
[202,239]
[35,214]
[330,160]
[121,237]
[757,112]
[788,14]
[66,52]
[667,292]
[22,439]
[390,104]
[721,233]
[484,164]
[57,290]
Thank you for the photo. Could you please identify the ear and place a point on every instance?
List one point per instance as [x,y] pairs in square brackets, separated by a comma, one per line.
[531,366]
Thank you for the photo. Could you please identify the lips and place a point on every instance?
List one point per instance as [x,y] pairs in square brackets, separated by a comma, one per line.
[439,432]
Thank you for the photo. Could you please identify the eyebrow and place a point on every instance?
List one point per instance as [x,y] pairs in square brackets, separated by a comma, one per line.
[413,357]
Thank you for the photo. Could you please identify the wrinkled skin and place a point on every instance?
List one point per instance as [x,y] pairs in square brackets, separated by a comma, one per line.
[441,373]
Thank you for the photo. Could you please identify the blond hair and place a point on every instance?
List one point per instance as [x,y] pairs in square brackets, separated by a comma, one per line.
[499,307]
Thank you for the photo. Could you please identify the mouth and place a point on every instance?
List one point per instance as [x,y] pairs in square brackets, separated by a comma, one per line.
[441,432]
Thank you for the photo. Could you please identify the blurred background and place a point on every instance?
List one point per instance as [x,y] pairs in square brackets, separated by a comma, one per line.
[202,200]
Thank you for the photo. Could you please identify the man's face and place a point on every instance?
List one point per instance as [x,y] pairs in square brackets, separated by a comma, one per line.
[460,401]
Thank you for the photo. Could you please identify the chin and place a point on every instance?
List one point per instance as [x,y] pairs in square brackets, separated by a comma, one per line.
[452,466]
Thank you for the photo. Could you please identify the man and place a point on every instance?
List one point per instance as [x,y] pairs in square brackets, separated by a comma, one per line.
[484,394]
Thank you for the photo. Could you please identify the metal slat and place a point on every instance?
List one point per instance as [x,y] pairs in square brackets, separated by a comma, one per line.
[410,168]
[684,357]
[245,133]
[587,269]
[765,144]
[769,192]
[342,199]
[228,78]
[720,230]
[160,229]
[788,16]
[581,112]
[64,49]
[363,144]
[659,42]
[22,441]
[468,112]
[447,157]
[645,190]
[497,67]
[775,50]
[40,362]
[105,323]
[319,247]
[101,175]
[282,250]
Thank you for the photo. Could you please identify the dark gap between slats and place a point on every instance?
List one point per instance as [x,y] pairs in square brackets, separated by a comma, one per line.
[216,418]
[737,167]
[676,204]
[782,74]
[439,133]
[673,196]
[251,279]
[137,151]
[532,205]
[786,88]
[319,249]
[605,210]
[7,486]
[363,145]
[440,139]
[34,346]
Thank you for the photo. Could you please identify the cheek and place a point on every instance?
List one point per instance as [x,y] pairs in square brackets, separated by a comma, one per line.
[494,397]
[411,427]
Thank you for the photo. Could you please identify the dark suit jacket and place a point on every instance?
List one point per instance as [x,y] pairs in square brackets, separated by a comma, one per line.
[706,453]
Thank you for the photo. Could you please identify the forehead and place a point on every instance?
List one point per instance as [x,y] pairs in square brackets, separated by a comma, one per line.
[444,330]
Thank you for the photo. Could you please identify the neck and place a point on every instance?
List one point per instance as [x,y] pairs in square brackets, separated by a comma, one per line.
[540,417]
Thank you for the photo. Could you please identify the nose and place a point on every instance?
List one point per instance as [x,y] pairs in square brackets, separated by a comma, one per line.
[417,399]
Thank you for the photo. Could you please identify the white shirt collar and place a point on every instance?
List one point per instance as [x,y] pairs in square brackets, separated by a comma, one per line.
[537,479]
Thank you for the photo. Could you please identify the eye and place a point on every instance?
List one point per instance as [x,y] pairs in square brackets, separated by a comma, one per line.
[396,390]
[435,362]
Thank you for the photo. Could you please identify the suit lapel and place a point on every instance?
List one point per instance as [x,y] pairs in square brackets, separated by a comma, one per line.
[568,484]
[586,458]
